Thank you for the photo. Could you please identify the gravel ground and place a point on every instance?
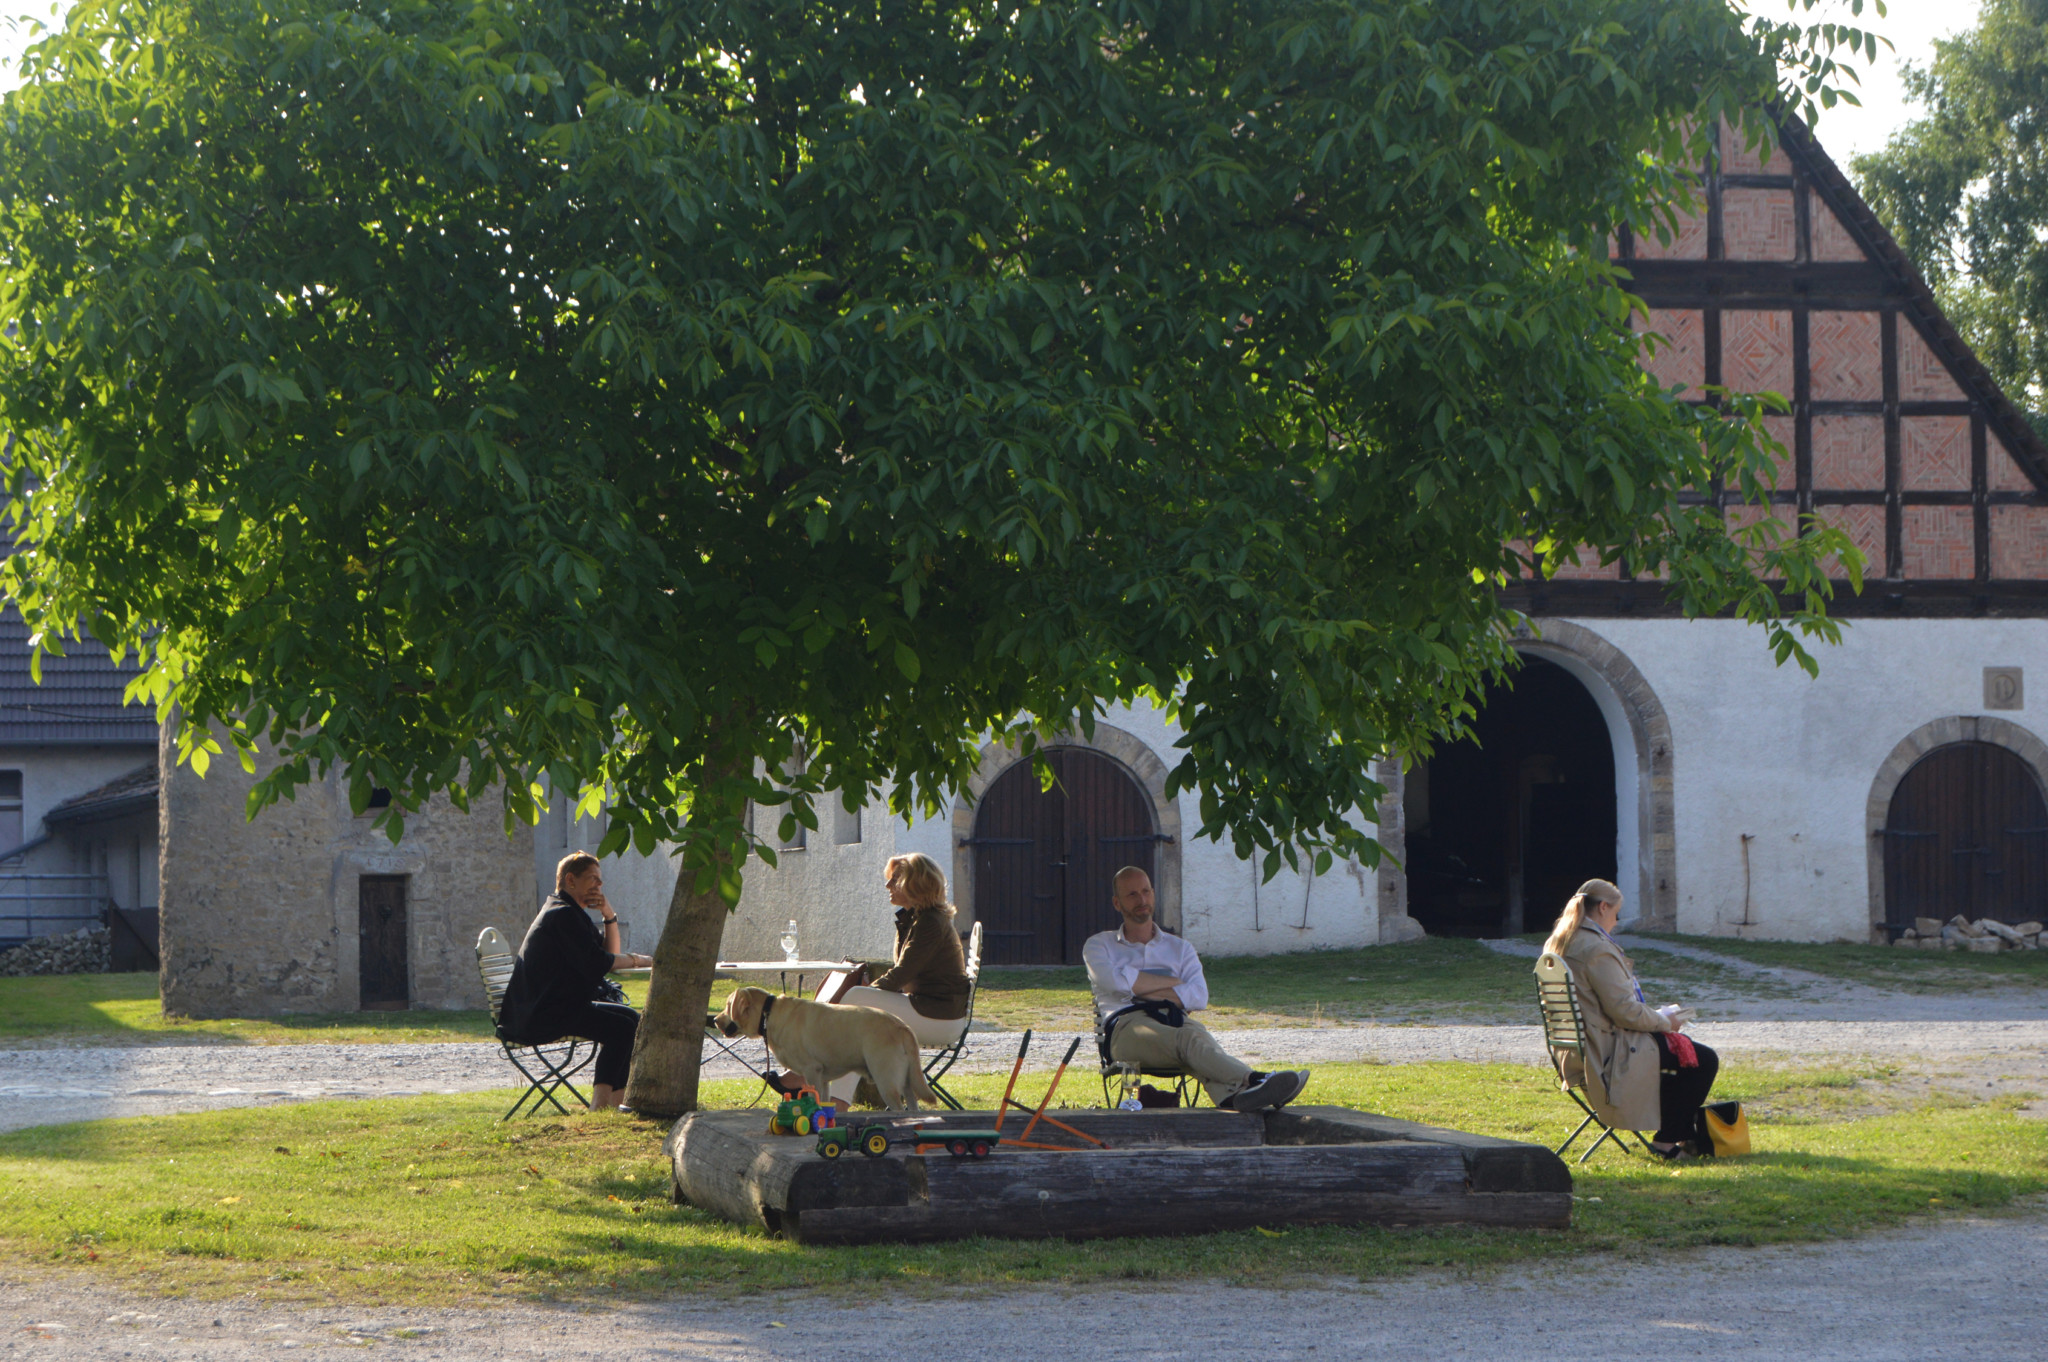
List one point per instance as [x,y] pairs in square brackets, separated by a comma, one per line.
[51,1084]
[1936,1291]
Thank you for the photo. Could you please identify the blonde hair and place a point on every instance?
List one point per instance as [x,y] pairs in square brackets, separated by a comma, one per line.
[1574,915]
[924,884]
[575,863]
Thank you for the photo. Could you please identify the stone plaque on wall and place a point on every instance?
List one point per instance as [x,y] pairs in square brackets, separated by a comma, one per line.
[2003,688]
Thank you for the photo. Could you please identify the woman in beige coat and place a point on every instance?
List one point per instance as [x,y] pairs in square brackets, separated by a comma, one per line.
[1639,1073]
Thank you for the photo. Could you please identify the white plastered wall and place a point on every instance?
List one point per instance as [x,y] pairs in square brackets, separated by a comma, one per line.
[1765,751]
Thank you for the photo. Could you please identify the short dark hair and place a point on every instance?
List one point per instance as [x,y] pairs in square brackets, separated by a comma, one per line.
[575,863]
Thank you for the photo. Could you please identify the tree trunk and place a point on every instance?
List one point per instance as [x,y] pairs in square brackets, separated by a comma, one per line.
[669,1049]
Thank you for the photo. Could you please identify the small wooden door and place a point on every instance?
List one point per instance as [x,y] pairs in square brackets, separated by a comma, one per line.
[381,933]
[1967,832]
[1043,859]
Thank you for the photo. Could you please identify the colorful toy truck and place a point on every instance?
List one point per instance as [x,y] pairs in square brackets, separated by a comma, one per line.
[871,1140]
[802,1114]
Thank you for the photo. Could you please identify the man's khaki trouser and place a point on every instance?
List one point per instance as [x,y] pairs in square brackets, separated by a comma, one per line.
[1137,1039]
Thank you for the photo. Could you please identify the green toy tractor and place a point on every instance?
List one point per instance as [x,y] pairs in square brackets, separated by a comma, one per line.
[871,1140]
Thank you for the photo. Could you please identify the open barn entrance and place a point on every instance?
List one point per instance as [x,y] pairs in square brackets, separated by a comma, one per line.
[1502,827]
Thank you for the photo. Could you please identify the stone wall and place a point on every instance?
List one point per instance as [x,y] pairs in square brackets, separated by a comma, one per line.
[261,917]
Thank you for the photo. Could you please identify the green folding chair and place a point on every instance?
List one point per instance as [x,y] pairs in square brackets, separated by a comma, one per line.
[1564,1032]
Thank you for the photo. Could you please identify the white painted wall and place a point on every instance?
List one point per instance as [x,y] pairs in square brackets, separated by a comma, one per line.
[50,775]
[1765,750]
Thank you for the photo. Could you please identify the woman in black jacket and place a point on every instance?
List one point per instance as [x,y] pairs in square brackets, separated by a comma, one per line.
[553,991]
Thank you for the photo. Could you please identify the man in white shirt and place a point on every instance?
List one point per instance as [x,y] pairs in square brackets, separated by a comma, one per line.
[1145,982]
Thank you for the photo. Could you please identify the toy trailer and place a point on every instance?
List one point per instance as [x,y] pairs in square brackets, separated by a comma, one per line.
[962,1144]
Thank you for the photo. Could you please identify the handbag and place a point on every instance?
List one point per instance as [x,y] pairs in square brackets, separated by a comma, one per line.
[1165,1012]
[1723,1130]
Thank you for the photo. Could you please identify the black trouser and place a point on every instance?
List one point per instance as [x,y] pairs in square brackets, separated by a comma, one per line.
[1682,1092]
[611,1025]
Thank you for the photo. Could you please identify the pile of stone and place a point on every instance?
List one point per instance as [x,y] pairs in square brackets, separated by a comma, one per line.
[1961,934]
[89,950]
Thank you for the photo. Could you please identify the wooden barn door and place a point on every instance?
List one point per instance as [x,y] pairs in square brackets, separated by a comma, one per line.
[1043,858]
[1967,833]
[381,932]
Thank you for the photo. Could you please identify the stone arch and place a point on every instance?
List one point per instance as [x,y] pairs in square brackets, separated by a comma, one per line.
[1640,733]
[2021,742]
[1127,750]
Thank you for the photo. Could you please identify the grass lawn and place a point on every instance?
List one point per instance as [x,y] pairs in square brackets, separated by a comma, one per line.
[123,1009]
[1888,967]
[433,1200]
[1442,979]
[1436,980]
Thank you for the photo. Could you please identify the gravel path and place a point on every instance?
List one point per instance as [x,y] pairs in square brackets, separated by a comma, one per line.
[1945,1290]
[51,1084]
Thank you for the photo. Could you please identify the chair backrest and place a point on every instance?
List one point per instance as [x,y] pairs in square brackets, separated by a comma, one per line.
[973,971]
[974,955]
[494,961]
[1563,1026]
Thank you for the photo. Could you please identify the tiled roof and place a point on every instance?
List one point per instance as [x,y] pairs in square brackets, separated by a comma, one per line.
[118,798]
[79,700]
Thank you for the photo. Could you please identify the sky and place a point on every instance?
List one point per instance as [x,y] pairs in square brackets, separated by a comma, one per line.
[1912,26]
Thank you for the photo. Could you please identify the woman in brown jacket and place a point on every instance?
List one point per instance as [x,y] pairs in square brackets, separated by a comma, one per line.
[1639,1072]
[926,985]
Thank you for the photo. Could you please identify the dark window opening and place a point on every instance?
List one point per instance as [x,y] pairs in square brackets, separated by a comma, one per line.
[10,810]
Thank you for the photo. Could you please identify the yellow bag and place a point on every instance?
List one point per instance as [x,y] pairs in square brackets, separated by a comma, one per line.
[1726,1127]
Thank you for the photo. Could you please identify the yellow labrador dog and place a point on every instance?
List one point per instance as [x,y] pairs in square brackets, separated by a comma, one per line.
[820,1042]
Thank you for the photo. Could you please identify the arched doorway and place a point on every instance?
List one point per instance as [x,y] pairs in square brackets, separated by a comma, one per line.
[1966,832]
[1043,858]
[1502,827]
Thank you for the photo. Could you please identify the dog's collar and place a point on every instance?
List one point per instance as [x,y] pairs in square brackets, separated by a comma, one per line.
[767,1006]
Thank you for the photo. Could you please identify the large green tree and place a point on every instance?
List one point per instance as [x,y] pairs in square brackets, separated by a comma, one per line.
[1965,190]
[643,395]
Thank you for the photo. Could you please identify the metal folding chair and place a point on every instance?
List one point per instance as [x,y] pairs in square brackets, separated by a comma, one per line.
[946,1056]
[494,961]
[1187,1091]
[1564,1032]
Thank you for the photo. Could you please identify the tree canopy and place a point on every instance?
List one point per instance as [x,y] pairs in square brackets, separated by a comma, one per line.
[635,395]
[1964,188]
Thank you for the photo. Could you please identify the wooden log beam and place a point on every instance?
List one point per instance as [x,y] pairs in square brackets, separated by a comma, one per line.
[1167,1172]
